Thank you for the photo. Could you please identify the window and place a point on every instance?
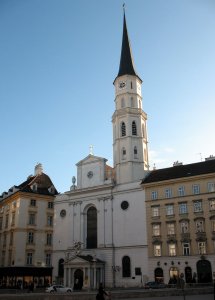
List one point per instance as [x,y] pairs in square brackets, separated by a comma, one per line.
[33,202]
[172,249]
[49,239]
[156,229]
[170,228]
[29,259]
[202,248]
[184,227]
[213,225]
[1,222]
[3,258]
[6,221]
[196,189]
[123,153]
[131,85]
[126,266]
[132,102]
[197,206]
[157,250]
[212,204]
[11,238]
[143,130]
[154,195]
[30,237]
[123,129]
[134,128]
[139,103]
[183,208]
[48,259]
[4,239]
[9,258]
[50,204]
[211,187]
[32,218]
[186,248]
[155,211]
[13,219]
[92,228]
[169,210]
[50,220]
[168,193]
[124,205]
[200,226]
[122,103]
[135,152]
[181,191]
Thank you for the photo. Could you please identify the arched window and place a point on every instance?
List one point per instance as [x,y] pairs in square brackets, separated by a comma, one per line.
[122,103]
[126,266]
[60,267]
[135,152]
[134,128]
[132,102]
[92,228]
[143,129]
[123,129]
[123,153]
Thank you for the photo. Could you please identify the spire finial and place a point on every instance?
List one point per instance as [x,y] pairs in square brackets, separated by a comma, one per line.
[91,149]
[123,7]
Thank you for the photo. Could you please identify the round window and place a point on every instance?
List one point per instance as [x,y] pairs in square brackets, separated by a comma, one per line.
[63,213]
[124,205]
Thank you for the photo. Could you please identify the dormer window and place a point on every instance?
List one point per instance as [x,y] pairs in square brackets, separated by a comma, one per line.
[34,187]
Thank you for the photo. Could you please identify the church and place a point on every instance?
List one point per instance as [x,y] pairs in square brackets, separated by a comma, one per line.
[100,223]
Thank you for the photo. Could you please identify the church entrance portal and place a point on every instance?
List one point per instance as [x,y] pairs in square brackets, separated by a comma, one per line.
[204,271]
[78,279]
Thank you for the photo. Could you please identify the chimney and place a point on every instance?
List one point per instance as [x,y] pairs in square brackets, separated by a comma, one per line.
[38,170]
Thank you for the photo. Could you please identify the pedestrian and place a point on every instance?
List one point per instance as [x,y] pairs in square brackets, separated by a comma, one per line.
[101,293]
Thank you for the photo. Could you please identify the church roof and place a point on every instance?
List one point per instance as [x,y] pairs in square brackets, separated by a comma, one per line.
[126,61]
[90,258]
[181,171]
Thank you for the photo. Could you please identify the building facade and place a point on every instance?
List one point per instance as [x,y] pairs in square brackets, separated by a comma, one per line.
[180,209]
[26,232]
[99,231]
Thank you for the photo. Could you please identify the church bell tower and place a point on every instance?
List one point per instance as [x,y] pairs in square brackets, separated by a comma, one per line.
[130,149]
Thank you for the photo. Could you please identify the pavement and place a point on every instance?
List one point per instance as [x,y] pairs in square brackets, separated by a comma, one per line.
[187,297]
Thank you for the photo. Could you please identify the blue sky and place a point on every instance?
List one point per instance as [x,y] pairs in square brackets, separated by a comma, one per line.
[58,60]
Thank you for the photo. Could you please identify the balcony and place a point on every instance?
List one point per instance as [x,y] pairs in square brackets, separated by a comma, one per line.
[156,239]
[171,238]
[201,236]
[185,237]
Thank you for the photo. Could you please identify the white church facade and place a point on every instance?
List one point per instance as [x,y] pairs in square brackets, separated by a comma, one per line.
[100,224]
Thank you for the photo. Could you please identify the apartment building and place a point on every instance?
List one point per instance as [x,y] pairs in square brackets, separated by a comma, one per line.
[180,210]
[26,229]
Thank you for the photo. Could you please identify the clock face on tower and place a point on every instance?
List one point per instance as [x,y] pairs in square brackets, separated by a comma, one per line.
[122,84]
[90,174]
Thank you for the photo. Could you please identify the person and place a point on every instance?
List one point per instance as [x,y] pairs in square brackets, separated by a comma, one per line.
[101,293]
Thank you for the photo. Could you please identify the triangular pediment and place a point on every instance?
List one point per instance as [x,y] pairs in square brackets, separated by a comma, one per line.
[90,159]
